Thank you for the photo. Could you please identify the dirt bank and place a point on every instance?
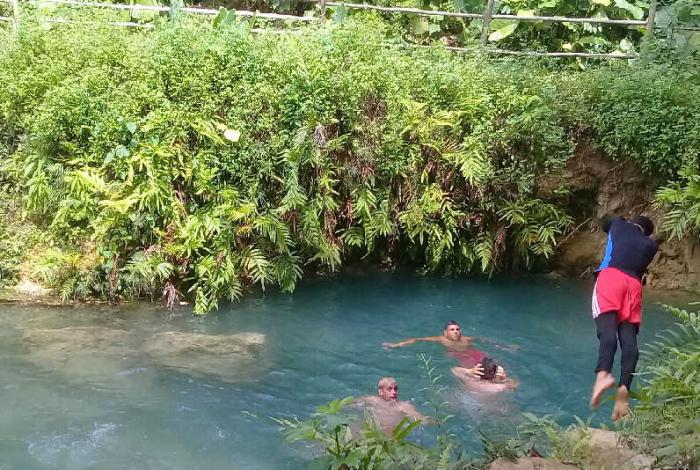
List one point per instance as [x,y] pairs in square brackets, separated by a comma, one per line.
[599,186]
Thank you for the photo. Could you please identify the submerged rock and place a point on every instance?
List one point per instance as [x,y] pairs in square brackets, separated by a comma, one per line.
[226,356]
[85,353]
[91,339]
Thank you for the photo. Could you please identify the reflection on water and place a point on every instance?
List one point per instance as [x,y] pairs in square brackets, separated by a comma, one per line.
[138,387]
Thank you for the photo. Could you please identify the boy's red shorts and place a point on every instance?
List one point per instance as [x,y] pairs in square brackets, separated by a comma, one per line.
[617,291]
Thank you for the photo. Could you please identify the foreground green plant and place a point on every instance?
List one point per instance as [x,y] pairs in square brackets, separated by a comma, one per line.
[353,441]
[681,202]
[665,423]
[363,449]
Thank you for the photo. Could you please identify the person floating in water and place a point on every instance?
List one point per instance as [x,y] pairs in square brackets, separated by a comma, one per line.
[387,408]
[458,346]
[485,377]
[617,304]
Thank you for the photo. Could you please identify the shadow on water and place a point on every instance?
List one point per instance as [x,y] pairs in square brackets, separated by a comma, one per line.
[138,387]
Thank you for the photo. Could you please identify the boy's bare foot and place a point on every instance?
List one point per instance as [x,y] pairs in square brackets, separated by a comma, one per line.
[603,381]
[621,407]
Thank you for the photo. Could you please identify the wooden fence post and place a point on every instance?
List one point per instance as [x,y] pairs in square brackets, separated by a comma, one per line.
[651,17]
[175,7]
[15,15]
[486,21]
[323,11]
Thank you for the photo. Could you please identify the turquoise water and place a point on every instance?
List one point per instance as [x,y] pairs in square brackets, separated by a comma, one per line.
[116,404]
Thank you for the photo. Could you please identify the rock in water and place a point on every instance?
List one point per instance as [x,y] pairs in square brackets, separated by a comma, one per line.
[91,339]
[229,357]
[85,353]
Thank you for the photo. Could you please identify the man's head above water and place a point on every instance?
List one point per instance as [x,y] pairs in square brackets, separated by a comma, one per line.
[489,367]
[388,389]
[453,331]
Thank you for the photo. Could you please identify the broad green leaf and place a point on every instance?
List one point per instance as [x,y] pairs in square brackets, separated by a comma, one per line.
[593,40]
[340,14]
[626,45]
[145,15]
[694,40]
[636,12]
[503,32]
[526,13]
[230,18]
[419,26]
[220,16]
[232,135]
[602,2]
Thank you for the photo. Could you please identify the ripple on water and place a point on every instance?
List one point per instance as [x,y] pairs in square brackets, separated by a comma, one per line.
[75,448]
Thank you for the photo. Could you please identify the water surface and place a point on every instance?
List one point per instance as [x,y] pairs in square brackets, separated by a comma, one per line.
[116,404]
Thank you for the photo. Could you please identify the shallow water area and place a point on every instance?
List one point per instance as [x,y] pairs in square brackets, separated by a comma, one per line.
[138,387]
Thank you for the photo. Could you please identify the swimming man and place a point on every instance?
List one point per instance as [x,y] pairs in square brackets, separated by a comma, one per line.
[386,406]
[458,346]
[617,304]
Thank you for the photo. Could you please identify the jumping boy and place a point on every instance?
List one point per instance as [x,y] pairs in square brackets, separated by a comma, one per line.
[617,304]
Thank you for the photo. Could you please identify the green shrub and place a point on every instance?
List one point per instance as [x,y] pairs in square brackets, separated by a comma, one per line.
[665,422]
[681,201]
[235,160]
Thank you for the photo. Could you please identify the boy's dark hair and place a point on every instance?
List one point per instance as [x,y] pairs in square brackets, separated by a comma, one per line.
[490,368]
[449,323]
[645,223]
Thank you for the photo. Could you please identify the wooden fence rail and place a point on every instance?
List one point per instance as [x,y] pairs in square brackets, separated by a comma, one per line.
[490,6]
[486,16]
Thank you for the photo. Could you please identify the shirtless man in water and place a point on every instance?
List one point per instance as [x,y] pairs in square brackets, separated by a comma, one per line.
[458,346]
[386,406]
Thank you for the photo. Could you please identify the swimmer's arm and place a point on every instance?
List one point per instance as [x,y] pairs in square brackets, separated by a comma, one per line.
[410,411]
[406,342]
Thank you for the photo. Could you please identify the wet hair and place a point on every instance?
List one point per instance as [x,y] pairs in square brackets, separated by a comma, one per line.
[385,381]
[450,323]
[645,223]
[490,368]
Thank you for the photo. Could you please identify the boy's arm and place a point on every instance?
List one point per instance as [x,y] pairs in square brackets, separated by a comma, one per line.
[406,342]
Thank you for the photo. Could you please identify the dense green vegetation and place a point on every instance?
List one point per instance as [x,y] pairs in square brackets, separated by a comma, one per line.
[207,159]
[668,40]
[666,422]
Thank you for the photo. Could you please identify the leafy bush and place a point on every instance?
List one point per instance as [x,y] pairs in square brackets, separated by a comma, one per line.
[239,159]
[204,159]
[681,201]
[665,423]
[641,113]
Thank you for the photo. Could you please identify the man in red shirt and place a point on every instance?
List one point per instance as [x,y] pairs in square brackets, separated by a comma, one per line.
[617,304]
